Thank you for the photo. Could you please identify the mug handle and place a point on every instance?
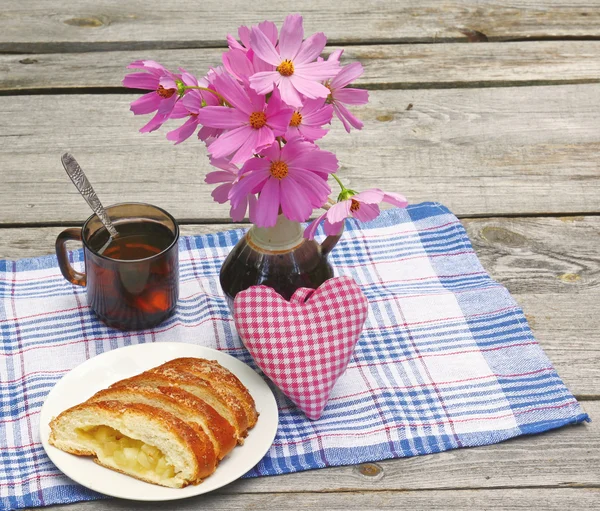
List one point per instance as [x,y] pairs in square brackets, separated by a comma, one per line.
[69,273]
[330,242]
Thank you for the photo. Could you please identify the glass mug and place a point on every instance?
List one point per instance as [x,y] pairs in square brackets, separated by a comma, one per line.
[134,283]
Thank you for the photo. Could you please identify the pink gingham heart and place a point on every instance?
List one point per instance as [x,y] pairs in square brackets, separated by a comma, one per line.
[303,345]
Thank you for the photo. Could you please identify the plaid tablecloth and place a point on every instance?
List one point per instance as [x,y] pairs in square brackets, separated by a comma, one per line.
[446,358]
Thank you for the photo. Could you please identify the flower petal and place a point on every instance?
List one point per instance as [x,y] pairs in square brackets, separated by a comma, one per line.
[238,64]
[243,187]
[221,193]
[229,142]
[310,88]
[312,133]
[140,81]
[146,104]
[317,70]
[396,199]
[222,117]
[267,207]
[366,212]
[290,37]
[247,148]
[192,101]
[318,186]
[295,203]
[333,228]
[185,131]
[270,30]
[166,105]
[288,92]
[233,92]
[264,81]
[244,35]
[338,212]
[317,161]
[220,176]
[318,117]
[153,124]
[311,229]
[272,153]
[346,117]
[263,48]
[348,74]
[238,212]
[254,164]
[280,121]
[265,138]
[311,48]
[335,55]
[370,196]
[351,96]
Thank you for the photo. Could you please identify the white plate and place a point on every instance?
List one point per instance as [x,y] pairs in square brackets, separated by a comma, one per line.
[101,371]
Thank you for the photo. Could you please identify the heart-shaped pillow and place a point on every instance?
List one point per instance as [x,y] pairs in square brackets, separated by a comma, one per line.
[303,345]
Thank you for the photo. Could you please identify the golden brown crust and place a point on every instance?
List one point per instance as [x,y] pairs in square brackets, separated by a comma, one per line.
[222,430]
[229,402]
[221,378]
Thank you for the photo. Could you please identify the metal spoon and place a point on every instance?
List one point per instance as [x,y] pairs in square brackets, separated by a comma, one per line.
[87,192]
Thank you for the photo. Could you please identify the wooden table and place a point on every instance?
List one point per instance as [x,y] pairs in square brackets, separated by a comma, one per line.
[492,108]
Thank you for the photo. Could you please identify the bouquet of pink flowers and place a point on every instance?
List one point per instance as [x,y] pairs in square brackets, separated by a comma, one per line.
[260,115]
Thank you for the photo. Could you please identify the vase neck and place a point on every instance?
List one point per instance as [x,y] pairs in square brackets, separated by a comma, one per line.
[283,236]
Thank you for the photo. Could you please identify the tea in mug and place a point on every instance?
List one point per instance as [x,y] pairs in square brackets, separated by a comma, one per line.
[132,286]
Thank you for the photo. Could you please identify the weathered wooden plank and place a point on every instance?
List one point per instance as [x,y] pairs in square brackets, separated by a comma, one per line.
[487,151]
[499,500]
[45,26]
[386,66]
[550,265]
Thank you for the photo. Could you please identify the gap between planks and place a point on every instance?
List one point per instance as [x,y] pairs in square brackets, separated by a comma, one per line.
[385,67]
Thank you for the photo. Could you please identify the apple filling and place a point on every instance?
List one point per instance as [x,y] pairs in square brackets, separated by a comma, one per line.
[127,453]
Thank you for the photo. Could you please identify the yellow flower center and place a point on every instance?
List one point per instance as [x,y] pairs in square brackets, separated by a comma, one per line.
[286,68]
[354,205]
[165,93]
[258,120]
[296,119]
[279,169]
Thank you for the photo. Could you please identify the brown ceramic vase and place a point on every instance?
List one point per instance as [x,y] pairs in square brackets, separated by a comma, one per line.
[278,257]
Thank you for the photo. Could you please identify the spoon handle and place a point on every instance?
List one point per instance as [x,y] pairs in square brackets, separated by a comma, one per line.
[85,189]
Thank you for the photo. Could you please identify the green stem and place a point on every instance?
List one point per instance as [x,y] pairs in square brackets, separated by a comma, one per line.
[339,182]
[185,87]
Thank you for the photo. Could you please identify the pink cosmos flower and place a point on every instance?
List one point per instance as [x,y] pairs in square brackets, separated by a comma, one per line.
[293,178]
[341,96]
[228,175]
[308,120]
[296,71]
[267,27]
[251,122]
[363,206]
[164,95]
[190,106]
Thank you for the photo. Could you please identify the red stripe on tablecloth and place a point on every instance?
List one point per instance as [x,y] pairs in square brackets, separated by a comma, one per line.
[38,477]
[426,424]
[347,396]
[422,256]
[36,372]
[44,346]
[445,354]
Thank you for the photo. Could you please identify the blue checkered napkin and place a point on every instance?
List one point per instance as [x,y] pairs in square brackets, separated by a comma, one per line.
[446,358]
